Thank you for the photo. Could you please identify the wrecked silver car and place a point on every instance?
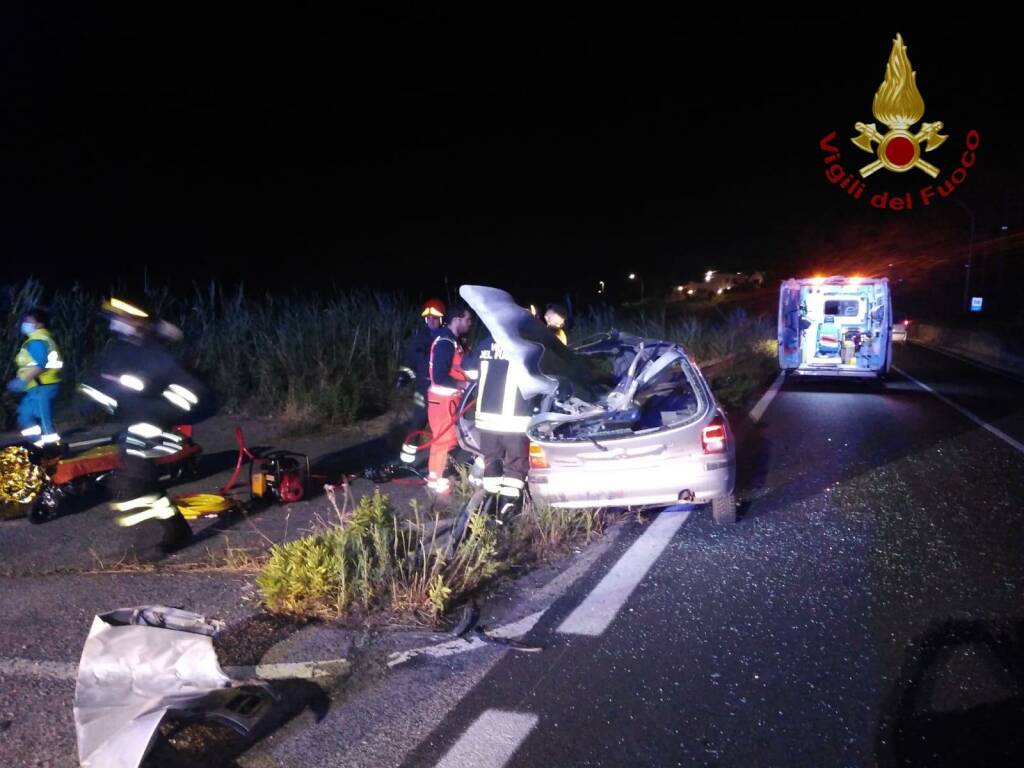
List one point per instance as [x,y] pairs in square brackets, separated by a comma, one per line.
[624,421]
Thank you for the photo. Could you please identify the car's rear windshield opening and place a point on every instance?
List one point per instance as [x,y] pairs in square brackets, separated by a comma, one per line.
[601,370]
[667,399]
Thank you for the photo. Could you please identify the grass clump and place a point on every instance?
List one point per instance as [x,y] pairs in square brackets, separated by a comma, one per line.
[375,563]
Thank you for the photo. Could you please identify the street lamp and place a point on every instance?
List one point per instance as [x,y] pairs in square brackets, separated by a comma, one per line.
[634,276]
[600,286]
[970,256]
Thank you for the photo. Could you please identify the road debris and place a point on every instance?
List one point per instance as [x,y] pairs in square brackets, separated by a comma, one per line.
[141,664]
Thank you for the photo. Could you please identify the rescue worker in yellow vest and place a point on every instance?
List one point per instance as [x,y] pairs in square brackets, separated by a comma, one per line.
[447,381]
[39,372]
[554,318]
[502,416]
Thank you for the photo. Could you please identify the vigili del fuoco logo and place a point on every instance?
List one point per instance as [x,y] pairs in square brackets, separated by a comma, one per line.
[898,106]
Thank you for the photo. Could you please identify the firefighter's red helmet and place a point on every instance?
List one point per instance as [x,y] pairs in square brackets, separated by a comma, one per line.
[432,308]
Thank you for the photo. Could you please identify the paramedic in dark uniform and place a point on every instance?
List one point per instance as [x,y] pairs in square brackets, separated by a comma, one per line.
[502,416]
[142,383]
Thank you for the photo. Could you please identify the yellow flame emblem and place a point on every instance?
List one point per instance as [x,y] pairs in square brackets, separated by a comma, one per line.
[898,105]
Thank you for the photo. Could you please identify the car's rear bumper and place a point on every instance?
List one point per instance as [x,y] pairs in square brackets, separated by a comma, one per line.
[578,487]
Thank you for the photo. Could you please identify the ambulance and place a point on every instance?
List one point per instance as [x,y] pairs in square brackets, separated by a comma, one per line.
[835,326]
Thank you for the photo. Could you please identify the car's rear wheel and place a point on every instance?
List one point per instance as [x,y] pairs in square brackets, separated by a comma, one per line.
[723,509]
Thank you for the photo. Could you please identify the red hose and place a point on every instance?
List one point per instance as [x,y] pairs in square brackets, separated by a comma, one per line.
[242,453]
[454,420]
[415,433]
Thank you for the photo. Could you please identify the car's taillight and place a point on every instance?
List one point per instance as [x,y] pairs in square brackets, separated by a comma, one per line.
[538,459]
[712,437]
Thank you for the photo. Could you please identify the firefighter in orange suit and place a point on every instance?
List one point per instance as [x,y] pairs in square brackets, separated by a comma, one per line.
[447,381]
[415,370]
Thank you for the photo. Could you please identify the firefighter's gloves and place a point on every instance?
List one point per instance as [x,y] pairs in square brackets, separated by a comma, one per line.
[16,385]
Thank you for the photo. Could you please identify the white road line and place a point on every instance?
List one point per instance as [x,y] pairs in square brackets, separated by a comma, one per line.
[490,741]
[600,607]
[766,399]
[471,643]
[59,670]
[545,596]
[43,670]
[980,422]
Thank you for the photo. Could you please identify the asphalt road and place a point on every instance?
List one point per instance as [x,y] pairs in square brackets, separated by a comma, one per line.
[866,610]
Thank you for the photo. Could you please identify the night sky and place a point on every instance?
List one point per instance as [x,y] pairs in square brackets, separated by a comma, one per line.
[312,149]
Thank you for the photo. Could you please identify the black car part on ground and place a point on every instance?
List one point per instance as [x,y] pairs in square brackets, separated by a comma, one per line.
[140,665]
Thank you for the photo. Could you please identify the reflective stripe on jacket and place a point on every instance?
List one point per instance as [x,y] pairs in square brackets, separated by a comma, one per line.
[440,381]
[500,405]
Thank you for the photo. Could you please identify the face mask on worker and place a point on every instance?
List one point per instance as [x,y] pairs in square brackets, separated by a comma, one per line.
[27,328]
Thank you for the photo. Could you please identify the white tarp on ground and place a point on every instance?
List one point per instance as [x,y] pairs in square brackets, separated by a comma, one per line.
[137,664]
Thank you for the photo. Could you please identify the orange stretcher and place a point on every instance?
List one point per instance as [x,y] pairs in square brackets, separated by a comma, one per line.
[106,458]
[74,474]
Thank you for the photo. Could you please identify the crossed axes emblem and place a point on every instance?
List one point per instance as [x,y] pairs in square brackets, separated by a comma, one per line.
[928,135]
